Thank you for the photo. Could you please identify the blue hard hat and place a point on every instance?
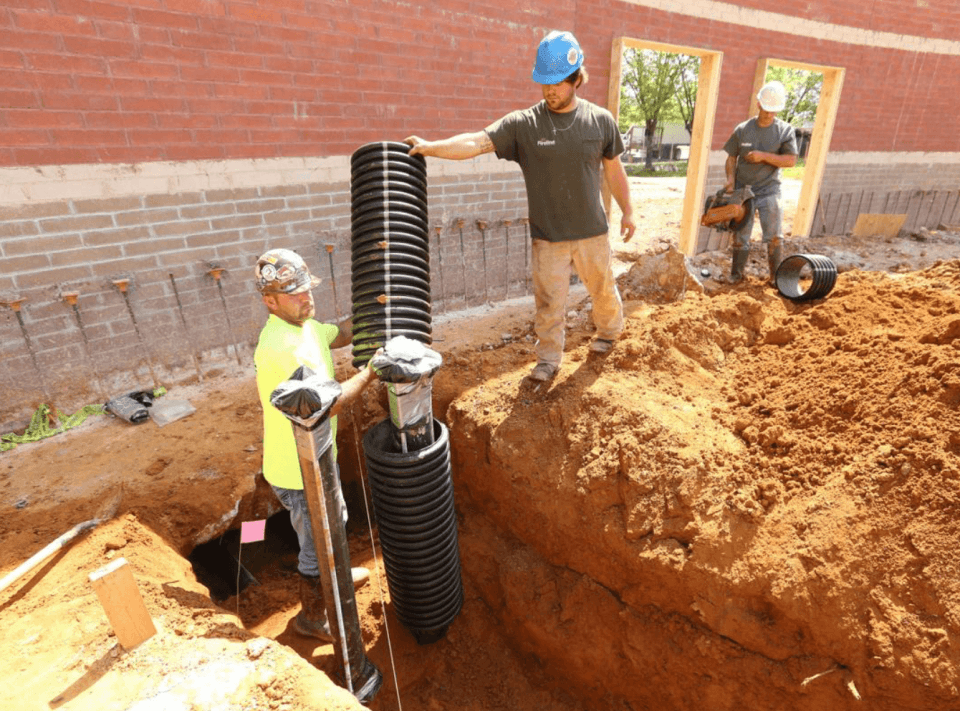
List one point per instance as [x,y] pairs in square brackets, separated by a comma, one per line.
[558,56]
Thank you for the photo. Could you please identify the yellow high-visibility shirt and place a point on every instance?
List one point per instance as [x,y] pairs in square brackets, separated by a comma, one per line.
[283,348]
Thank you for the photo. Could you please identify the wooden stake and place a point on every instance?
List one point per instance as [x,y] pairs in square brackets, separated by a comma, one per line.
[121,600]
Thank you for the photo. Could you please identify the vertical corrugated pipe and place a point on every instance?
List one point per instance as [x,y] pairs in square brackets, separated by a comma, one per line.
[390,247]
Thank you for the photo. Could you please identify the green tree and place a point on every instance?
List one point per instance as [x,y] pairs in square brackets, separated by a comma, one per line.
[649,87]
[803,93]
[689,79]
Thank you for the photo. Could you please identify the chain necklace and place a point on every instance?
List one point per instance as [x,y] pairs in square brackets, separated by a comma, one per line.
[573,120]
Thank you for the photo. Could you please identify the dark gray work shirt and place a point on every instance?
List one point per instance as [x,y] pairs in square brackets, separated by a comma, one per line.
[560,156]
[778,137]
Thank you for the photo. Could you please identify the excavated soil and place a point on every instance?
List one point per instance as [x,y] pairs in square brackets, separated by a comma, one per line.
[749,503]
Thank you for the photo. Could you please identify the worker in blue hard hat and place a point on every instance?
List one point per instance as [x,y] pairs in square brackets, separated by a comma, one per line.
[566,147]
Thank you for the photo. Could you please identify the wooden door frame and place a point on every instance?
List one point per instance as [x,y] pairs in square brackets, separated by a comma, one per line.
[708,90]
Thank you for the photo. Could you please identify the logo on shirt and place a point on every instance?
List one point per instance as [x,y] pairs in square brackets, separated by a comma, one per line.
[546,142]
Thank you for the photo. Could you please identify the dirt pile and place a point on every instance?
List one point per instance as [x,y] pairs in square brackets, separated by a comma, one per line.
[749,503]
[745,494]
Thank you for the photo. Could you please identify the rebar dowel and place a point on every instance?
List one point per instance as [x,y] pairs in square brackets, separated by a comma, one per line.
[443,293]
[15,305]
[186,328]
[463,258]
[333,282]
[216,273]
[71,299]
[121,285]
[506,267]
[482,226]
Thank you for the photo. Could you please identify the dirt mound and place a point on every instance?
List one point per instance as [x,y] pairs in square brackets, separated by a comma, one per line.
[769,486]
[747,503]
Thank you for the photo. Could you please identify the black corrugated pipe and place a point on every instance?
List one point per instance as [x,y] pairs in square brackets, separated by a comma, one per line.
[413,502]
[390,247]
[306,399]
[804,277]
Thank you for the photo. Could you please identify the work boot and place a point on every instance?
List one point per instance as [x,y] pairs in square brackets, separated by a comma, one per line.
[739,263]
[774,257]
[311,621]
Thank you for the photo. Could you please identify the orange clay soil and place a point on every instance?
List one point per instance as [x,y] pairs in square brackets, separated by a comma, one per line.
[749,503]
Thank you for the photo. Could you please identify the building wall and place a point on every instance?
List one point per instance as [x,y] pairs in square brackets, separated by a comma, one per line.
[148,138]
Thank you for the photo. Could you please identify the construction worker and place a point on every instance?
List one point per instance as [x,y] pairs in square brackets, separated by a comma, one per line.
[565,146]
[289,339]
[756,151]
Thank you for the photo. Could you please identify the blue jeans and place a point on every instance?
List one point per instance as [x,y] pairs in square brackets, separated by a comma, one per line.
[295,501]
[771,220]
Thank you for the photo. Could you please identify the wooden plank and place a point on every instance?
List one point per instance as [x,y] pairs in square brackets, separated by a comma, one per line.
[121,600]
[819,147]
[708,90]
[878,225]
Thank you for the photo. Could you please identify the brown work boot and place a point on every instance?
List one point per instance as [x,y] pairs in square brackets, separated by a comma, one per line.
[311,621]
[774,257]
[738,264]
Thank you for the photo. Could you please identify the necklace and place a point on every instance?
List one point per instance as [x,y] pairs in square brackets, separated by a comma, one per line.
[573,119]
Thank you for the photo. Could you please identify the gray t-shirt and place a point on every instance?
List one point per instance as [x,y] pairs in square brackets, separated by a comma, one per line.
[560,156]
[778,137]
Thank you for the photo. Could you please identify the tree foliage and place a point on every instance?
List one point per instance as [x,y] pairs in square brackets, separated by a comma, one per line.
[649,89]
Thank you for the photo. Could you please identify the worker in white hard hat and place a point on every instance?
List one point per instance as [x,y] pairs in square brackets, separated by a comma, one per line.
[756,151]
[292,338]
[566,147]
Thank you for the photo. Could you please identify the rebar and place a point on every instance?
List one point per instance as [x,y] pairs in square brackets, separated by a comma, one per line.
[463,258]
[15,305]
[443,291]
[217,272]
[506,268]
[333,281]
[186,328]
[482,226]
[121,285]
[70,298]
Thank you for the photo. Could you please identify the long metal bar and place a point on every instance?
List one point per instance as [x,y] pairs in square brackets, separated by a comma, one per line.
[121,285]
[217,273]
[463,259]
[333,281]
[71,299]
[15,305]
[443,290]
[482,226]
[186,328]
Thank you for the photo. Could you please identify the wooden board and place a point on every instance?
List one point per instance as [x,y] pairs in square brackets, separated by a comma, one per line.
[121,600]
[878,225]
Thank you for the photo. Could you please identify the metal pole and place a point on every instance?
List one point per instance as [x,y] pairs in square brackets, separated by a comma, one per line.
[482,226]
[443,291]
[216,273]
[506,268]
[183,320]
[122,285]
[71,298]
[333,281]
[463,258]
[15,305]
[321,487]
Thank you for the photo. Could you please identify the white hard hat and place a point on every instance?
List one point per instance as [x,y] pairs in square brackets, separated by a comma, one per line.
[772,97]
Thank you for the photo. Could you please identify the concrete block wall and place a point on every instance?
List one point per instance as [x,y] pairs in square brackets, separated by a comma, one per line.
[145,138]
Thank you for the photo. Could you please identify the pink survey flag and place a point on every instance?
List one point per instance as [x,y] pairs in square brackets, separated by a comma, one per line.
[252,531]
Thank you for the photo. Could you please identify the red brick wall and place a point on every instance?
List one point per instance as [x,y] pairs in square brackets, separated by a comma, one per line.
[84,81]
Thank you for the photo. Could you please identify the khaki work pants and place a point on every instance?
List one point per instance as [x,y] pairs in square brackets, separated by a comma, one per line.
[552,262]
